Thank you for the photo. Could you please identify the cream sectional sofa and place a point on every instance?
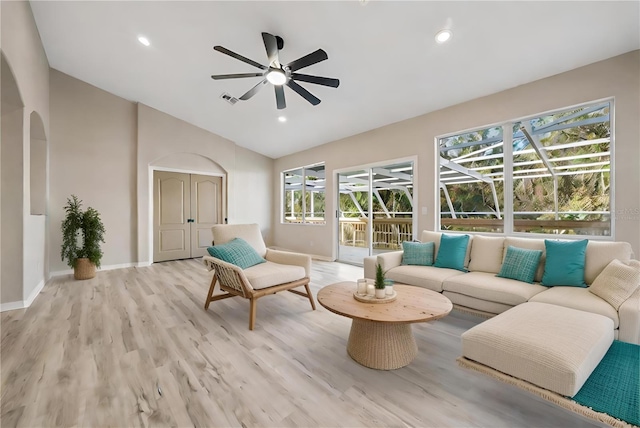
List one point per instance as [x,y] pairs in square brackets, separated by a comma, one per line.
[480,290]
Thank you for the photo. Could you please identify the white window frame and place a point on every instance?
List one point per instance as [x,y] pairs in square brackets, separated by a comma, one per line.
[283,213]
[507,135]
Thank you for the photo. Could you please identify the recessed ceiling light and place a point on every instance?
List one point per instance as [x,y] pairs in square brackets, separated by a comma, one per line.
[282,118]
[443,35]
[144,40]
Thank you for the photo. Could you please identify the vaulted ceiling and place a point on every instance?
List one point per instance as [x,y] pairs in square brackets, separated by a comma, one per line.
[383,52]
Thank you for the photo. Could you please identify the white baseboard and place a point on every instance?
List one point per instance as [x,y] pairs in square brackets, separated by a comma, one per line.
[22,304]
[34,294]
[11,306]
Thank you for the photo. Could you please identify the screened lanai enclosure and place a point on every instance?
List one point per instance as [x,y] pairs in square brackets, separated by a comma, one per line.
[375,206]
[550,174]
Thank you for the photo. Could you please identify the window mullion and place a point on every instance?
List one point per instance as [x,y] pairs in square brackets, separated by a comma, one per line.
[507,151]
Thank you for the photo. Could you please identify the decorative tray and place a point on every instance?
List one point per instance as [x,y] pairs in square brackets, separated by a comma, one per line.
[373,299]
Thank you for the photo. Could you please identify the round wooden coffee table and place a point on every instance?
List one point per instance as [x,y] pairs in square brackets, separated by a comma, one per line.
[381,336]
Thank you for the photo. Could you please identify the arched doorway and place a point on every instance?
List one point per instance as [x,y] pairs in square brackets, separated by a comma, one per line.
[189,197]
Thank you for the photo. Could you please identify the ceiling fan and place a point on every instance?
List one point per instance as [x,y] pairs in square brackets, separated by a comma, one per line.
[278,74]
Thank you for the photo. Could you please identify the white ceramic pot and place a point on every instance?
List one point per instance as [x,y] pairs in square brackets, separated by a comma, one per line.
[380,293]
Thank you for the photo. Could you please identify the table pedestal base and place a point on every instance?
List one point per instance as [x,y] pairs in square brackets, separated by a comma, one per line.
[380,345]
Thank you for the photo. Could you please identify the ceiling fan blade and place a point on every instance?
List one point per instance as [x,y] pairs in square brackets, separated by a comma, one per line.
[234,76]
[307,60]
[251,92]
[303,92]
[271,45]
[280,97]
[324,81]
[239,57]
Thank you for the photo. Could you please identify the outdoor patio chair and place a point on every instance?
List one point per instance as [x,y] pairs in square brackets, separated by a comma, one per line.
[281,271]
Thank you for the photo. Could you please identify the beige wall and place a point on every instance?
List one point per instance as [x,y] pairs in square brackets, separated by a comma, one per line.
[164,140]
[25,57]
[93,156]
[617,77]
[104,149]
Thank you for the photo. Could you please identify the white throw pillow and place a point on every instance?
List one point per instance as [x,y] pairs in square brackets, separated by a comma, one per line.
[617,282]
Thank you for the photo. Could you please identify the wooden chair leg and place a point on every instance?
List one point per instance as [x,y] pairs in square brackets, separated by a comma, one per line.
[252,313]
[210,295]
[313,304]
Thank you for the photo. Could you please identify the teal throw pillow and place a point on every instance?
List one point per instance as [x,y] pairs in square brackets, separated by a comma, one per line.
[520,264]
[418,253]
[452,251]
[237,252]
[565,263]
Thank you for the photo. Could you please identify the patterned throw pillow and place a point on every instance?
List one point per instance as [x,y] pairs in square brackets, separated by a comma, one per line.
[617,282]
[452,251]
[418,253]
[237,252]
[520,264]
[565,263]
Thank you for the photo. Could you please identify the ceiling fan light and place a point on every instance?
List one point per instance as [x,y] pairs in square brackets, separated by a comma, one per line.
[276,77]
[443,35]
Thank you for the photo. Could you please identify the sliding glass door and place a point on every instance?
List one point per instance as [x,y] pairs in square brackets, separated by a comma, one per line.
[375,210]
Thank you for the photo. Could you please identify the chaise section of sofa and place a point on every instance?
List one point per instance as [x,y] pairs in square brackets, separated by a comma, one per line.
[481,290]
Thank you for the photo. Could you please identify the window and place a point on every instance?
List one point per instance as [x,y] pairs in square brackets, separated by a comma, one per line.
[551,174]
[304,195]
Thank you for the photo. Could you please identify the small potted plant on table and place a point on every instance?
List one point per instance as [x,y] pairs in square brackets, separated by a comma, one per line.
[85,228]
[380,284]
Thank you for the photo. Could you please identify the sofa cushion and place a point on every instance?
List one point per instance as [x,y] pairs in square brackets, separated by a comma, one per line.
[453,249]
[237,252]
[486,253]
[553,347]
[487,286]
[520,264]
[577,298]
[601,253]
[417,253]
[423,276]
[529,244]
[476,304]
[565,263]
[617,282]
[429,236]
[269,274]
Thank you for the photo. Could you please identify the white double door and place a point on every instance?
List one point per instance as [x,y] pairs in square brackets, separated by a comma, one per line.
[185,207]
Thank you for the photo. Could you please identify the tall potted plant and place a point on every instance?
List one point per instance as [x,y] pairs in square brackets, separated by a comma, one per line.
[82,233]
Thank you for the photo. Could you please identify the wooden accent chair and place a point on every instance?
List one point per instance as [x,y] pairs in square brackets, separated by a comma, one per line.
[282,271]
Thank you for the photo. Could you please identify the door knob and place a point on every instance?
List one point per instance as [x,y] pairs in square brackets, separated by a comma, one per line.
[190,220]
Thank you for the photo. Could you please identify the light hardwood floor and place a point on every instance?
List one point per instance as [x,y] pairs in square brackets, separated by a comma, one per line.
[134,347]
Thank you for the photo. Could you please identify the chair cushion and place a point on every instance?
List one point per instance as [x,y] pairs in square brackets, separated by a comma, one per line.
[617,282]
[269,274]
[487,286]
[223,233]
[418,253]
[577,298]
[565,263]
[452,252]
[520,264]
[237,252]
[422,276]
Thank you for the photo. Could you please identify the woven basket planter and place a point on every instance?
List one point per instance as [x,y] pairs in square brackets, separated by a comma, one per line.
[84,269]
